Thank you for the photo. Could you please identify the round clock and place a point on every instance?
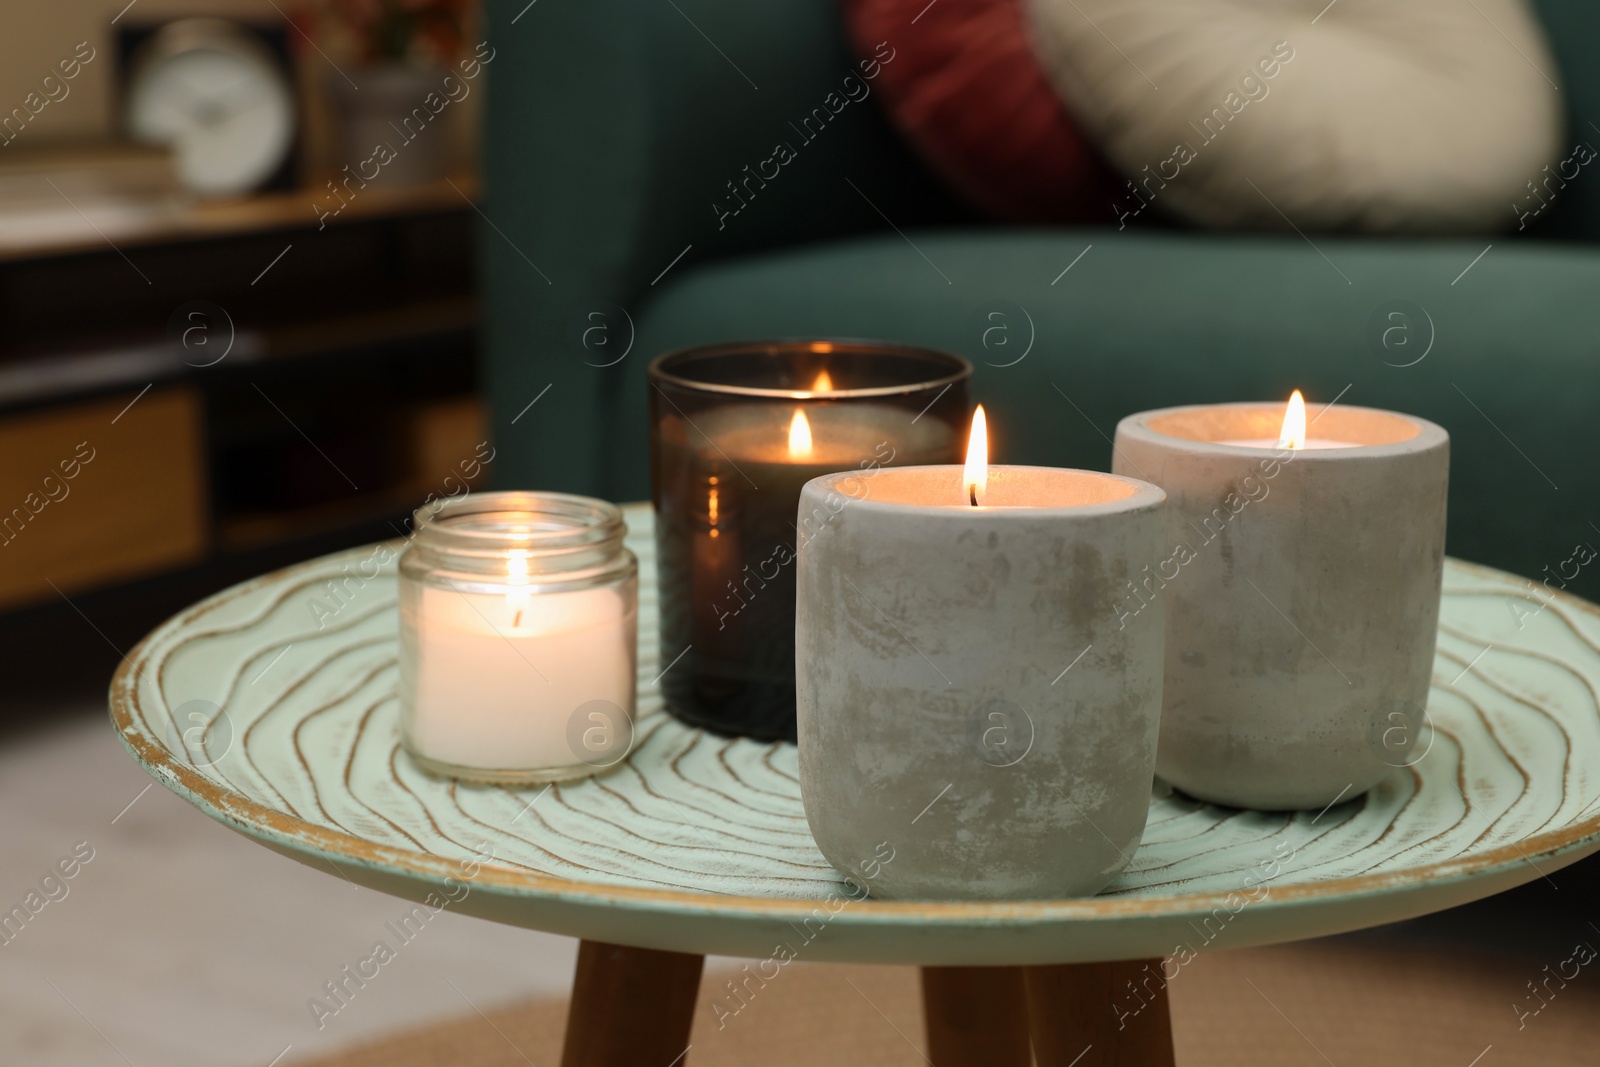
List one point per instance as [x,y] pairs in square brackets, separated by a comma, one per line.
[219,98]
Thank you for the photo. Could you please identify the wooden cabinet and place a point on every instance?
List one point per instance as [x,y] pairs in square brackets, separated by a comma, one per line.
[100,492]
[336,391]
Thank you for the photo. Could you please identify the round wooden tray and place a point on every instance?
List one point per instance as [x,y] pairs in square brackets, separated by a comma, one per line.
[699,844]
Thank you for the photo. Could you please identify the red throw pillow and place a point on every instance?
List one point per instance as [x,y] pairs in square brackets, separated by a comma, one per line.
[965,89]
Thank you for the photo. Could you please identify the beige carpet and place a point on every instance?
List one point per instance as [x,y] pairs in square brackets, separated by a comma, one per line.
[1339,1002]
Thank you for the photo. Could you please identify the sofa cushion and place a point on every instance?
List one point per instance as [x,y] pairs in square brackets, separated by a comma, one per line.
[1145,320]
[1427,115]
[970,96]
[1573,28]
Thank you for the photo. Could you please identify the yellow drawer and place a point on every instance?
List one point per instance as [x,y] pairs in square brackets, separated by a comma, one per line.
[101,492]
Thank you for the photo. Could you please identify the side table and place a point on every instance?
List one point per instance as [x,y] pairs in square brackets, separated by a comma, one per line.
[698,845]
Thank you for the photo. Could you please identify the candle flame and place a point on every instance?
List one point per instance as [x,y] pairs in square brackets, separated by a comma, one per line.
[517,566]
[823,384]
[975,477]
[799,436]
[1293,434]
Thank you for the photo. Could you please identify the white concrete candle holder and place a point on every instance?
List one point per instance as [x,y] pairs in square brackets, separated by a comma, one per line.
[968,701]
[1302,596]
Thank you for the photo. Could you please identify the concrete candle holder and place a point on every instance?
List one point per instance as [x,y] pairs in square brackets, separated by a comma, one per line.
[1302,596]
[968,702]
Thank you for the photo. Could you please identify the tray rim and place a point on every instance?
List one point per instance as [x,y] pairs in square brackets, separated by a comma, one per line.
[289,834]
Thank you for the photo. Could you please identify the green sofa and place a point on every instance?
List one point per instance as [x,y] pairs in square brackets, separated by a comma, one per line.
[614,127]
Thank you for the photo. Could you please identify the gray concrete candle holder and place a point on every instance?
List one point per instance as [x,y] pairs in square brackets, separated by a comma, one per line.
[1302,597]
[969,703]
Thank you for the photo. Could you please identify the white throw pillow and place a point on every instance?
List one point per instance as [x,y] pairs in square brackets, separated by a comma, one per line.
[1389,115]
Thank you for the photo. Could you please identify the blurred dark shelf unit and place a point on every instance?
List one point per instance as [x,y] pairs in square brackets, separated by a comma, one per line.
[348,393]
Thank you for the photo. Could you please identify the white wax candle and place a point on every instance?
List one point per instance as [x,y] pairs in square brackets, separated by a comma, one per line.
[1311,444]
[498,676]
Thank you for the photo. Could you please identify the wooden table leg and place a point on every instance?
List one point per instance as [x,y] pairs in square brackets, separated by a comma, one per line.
[976,1016]
[631,1007]
[1100,1015]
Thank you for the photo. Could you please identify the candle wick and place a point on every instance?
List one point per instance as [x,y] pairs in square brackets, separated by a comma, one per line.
[972,493]
[517,621]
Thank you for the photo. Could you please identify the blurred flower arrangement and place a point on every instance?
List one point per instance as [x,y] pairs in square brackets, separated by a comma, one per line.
[419,31]
[389,82]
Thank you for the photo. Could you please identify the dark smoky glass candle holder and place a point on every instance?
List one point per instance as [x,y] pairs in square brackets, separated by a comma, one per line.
[736,430]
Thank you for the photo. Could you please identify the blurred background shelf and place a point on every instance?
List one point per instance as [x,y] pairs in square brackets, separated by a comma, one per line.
[83,210]
[348,392]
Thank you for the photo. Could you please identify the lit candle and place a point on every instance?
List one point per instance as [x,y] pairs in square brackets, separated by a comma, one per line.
[1293,434]
[518,621]
[965,695]
[738,431]
[1301,587]
[975,473]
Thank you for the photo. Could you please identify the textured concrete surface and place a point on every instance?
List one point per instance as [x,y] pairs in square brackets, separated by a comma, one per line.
[1302,598]
[969,704]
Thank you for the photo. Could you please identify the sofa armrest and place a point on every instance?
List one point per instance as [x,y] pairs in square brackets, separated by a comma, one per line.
[625,140]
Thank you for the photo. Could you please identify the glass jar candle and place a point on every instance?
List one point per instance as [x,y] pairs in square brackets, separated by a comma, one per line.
[518,638]
[736,430]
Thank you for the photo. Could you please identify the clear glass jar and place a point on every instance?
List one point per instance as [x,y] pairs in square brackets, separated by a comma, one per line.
[518,638]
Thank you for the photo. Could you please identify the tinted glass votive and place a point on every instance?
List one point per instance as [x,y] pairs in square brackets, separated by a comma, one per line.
[736,430]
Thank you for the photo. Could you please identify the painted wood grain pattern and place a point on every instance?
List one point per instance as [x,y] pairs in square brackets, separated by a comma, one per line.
[313,753]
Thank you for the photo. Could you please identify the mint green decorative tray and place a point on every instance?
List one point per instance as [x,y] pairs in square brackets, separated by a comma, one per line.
[699,844]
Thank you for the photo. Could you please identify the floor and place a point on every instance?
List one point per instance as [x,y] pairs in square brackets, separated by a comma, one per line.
[1332,1003]
[181,943]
